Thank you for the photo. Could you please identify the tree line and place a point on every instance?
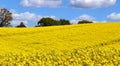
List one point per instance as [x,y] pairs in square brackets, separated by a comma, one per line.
[6,18]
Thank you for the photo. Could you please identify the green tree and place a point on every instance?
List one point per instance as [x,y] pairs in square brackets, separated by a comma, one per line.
[5,17]
[64,22]
[21,25]
[84,21]
[47,22]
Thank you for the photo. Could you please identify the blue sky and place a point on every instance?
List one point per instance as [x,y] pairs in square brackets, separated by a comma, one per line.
[30,11]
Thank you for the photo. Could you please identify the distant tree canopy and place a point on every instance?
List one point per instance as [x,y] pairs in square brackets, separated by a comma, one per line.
[21,25]
[47,22]
[84,21]
[5,17]
[64,22]
[50,22]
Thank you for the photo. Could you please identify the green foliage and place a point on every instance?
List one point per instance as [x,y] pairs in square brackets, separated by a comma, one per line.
[50,22]
[37,26]
[21,25]
[47,22]
[84,22]
[64,22]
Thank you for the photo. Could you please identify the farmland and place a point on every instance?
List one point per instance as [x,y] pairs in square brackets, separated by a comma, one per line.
[95,44]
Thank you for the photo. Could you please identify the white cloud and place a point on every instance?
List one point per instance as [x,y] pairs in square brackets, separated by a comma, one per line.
[92,3]
[26,17]
[83,17]
[114,16]
[41,3]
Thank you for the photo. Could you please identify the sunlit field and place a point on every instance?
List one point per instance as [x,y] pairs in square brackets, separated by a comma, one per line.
[95,44]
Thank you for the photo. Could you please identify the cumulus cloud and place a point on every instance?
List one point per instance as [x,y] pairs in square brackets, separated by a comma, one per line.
[92,3]
[114,16]
[83,17]
[41,3]
[26,17]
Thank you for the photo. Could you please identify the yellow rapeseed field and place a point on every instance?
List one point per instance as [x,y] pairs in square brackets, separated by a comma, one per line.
[95,44]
